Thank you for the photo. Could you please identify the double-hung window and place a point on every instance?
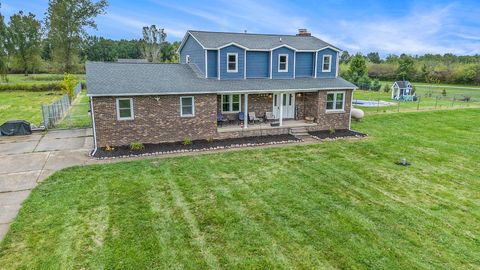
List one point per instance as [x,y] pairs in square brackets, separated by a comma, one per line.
[327,63]
[187,59]
[187,106]
[232,62]
[231,103]
[283,63]
[335,101]
[124,109]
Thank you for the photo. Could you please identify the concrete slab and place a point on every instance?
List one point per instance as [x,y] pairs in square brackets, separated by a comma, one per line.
[88,143]
[44,175]
[17,147]
[18,181]
[49,144]
[26,138]
[63,159]
[8,213]
[13,198]
[23,162]
[65,133]
[3,230]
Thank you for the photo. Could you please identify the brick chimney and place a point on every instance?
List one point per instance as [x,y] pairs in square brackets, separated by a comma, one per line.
[303,33]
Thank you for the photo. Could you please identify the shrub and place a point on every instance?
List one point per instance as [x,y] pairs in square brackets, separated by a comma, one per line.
[68,85]
[210,139]
[375,85]
[108,148]
[444,92]
[386,88]
[332,131]
[187,141]
[136,146]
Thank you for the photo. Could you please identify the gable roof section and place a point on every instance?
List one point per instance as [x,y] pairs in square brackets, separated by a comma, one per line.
[129,79]
[402,84]
[265,42]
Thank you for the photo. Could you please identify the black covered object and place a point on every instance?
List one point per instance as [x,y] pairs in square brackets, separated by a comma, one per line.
[18,127]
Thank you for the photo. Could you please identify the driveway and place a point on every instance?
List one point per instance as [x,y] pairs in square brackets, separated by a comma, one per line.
[27,160]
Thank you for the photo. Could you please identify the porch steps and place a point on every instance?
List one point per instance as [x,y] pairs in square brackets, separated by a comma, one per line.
[300,133]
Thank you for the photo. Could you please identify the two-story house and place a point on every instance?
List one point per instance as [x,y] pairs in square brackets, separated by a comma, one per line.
[222,83]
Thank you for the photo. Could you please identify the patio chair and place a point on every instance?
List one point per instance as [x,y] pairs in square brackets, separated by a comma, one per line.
[252,117]
[241,117]
[269,116]
[220,119]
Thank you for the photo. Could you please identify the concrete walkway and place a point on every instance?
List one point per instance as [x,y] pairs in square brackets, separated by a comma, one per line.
[27,160]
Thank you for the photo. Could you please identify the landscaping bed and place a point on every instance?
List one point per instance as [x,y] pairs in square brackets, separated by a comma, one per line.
[335,134]
[195,146]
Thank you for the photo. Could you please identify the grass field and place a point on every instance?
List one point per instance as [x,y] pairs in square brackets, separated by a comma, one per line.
[338,204]
[23,105]
[78,115]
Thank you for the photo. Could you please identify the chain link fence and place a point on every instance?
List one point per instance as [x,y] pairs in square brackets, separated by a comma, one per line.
[64,113]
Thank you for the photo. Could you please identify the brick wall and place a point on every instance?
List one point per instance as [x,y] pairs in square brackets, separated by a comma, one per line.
[154,121]
[336,120]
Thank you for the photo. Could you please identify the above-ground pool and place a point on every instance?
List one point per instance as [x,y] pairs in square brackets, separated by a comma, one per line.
[372,103]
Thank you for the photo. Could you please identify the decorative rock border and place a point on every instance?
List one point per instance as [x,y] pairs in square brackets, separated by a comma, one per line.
[339,134]
[102,154]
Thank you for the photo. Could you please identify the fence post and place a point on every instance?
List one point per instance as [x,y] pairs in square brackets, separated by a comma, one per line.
[436,101]
[45,117]
[378,105]
[418,103]
[453,100]
[398,108]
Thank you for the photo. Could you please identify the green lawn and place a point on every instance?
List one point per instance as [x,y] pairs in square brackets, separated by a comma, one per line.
[338,204]
[38,78]
[78,115]
[23,105]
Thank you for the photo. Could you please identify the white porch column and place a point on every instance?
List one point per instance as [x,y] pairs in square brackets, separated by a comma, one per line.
[281,109]
[245,110]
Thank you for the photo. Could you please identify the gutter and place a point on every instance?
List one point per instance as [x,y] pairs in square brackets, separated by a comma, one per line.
[93,125]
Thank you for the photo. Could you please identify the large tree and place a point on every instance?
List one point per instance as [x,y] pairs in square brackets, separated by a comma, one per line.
[66,21]
[153,40]
[358,66]
[345,57]
[406,67]
[25,37]
[3,49]
[374,57]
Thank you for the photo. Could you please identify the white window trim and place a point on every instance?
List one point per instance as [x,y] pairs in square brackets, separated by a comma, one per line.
[329,63]
[230,103]
[187,59]
[335,93]
[193,107]
[118,109]
[286,62]
[236,63]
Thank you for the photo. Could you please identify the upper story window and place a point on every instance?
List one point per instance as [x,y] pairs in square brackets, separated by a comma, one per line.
[335,101]
[124,109]
[327,63]
[231,103]
[187,59]
[232,62]
[283,63]
[187,106]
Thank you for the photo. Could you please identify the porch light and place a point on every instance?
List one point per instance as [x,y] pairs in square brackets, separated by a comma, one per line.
[270,96]
[299,94]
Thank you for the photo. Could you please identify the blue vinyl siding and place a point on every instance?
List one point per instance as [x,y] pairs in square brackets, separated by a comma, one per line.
[212,63]
[224,75]
[196,52]
[282,75]
[333,68]
[305,61]
[258,64]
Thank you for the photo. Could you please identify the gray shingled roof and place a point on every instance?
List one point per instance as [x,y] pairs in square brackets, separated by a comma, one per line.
[112,79]
[403,84]
[258,41]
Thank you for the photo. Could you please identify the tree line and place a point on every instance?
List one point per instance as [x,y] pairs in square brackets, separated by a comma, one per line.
[429,68]
[60,43]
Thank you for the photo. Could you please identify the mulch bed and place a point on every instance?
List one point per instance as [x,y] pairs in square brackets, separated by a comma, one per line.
[339,133]
[196,146]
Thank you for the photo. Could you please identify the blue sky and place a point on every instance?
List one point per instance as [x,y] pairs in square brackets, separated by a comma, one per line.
[414,27]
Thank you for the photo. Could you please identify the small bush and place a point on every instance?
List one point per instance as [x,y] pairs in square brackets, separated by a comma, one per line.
[136,146]
[332,131]
[375,86]
[210,139]
[108,148]
[68,85]
[386,88]
[444,92]
[187,141]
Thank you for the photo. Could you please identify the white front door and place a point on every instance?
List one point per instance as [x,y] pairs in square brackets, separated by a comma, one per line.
[288,105]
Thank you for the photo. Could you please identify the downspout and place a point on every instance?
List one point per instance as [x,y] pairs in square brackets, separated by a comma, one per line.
[93,125]
[351,107]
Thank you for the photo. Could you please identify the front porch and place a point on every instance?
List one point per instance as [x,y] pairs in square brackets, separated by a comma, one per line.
[264,126]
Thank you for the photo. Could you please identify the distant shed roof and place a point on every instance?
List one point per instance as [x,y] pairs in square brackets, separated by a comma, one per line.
[214,40]
[115,79]
[403,84]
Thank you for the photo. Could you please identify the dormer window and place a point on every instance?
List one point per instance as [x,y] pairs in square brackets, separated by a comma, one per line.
[187,59]
[327,63]
[283,63]
[232,62]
